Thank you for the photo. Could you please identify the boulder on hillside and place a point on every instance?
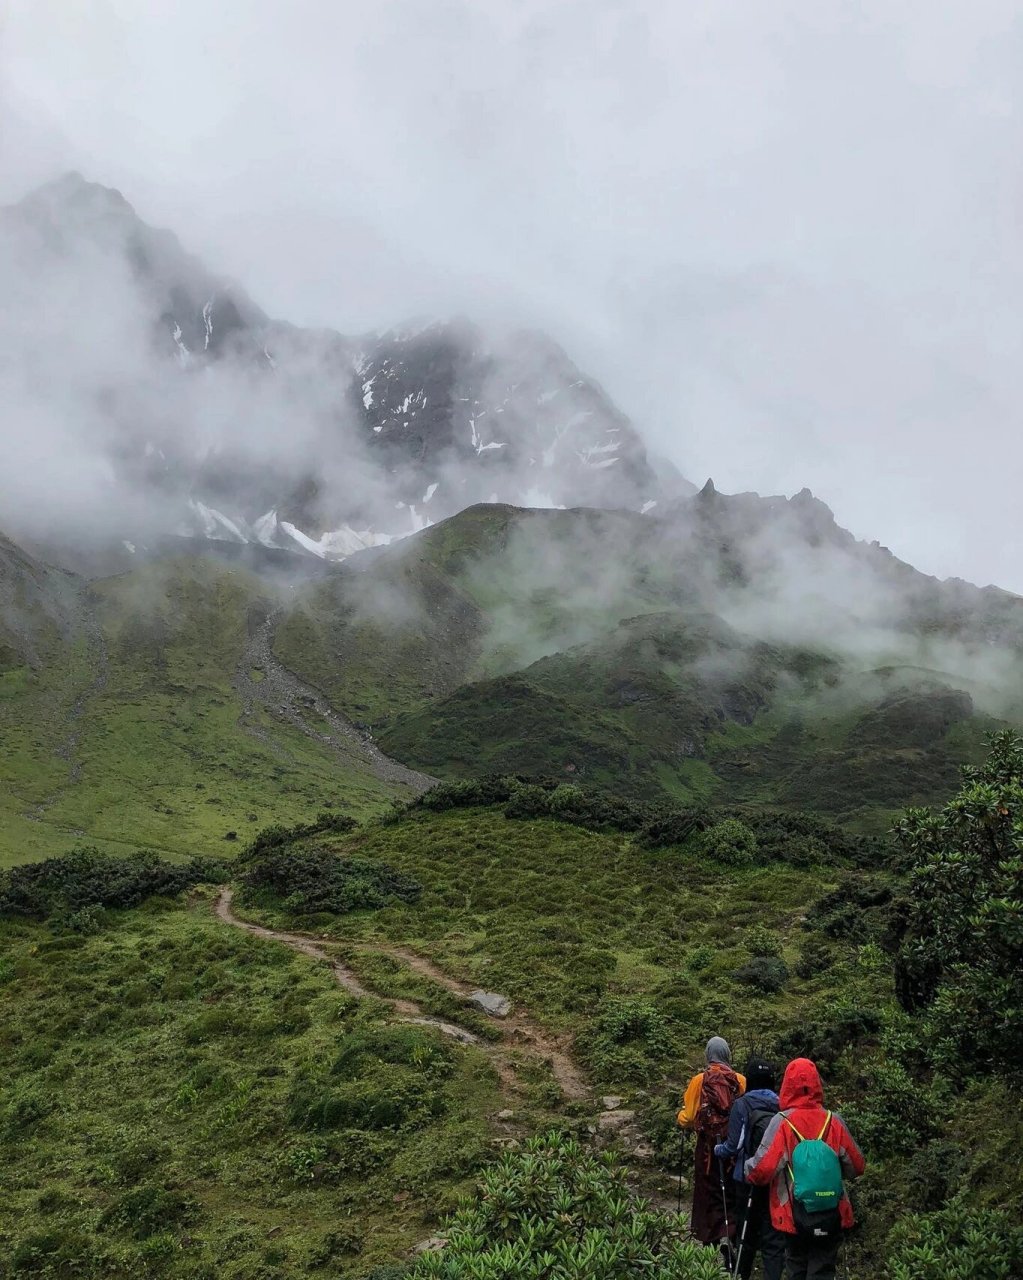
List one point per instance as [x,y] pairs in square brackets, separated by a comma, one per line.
[490,1002]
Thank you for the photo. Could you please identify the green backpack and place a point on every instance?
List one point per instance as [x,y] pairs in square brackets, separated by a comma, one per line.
[816,1180]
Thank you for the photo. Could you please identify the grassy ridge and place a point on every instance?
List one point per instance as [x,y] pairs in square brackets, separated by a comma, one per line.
[131,735]
[572,643]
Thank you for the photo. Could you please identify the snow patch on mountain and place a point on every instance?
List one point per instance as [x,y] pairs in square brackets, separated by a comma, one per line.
[336,544]
[215,525]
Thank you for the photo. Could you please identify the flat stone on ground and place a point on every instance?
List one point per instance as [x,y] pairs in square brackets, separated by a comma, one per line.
[615,1119]
[433,1245]
[490,1002]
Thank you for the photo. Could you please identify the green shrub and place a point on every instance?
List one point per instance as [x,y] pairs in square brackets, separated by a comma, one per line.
[826,1030]
[935,1173]
[699,958]
[149,1209]
[764,973]
[963,937]
[956,1243]
[555,1209]
[528,801]
[760,941]
[487,790]
[566,799]
[898,1113]
[730,842]
[815,956]
[72,888]
[627,1039]
[857,911]
[675,827]
[277,836]
[312,880]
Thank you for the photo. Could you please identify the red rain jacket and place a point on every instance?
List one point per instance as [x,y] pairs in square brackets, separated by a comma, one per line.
[801,1102]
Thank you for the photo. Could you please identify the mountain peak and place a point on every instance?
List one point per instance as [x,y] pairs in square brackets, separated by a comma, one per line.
[72,194]
[360,439]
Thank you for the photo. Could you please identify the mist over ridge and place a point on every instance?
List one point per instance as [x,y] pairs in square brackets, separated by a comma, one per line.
[157,398]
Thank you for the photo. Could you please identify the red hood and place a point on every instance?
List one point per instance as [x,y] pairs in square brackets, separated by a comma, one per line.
[801,1086]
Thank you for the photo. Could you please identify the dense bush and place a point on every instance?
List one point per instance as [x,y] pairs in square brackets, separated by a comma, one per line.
[764,973]
[555,1209]
[960,957]
[803,839]
[857,911]
[675,826]
[71,887]
[626,1039]
[799,838]
[898,1114]
[825,1031]
[311,880]
[761,941]
[956,1243]
[815,957]
[276,837]
[731,842]
[934,1173]
[529,801]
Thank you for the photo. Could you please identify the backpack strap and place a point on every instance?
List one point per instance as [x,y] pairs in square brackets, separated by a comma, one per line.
[802,1136]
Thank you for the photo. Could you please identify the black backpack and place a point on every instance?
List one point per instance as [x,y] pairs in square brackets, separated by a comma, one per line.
[758,1118]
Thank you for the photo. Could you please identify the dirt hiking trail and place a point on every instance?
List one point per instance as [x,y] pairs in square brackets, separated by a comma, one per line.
[521,1038]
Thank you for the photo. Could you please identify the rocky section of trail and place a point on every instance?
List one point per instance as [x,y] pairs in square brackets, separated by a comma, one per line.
[521,1038]
[263,683]
[517,1027]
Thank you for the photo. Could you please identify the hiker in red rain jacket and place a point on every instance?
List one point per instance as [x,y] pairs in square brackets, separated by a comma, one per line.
[802,1114]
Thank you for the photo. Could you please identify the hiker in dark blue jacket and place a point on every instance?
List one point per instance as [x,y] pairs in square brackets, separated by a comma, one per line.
[747,1122]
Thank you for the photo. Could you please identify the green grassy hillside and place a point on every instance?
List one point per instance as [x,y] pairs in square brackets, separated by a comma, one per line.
[129,728]
[151,1108]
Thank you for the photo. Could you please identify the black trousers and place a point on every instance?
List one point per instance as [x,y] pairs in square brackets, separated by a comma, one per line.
[809,1259]
[755,1233]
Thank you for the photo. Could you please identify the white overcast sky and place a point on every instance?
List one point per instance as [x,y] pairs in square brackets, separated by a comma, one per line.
[785,236]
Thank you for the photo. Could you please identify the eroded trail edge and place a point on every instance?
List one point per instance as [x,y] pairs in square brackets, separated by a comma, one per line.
[520,1036]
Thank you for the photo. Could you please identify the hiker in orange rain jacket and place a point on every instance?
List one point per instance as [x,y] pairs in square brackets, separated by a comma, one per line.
[802,1116]
[705,1107]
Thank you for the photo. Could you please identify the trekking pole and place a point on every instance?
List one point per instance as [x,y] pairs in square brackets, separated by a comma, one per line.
[724,1206]
[742,1234]
[681,1165]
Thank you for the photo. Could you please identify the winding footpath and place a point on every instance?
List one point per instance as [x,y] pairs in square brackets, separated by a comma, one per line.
[521,1038]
